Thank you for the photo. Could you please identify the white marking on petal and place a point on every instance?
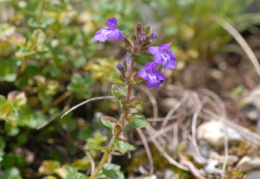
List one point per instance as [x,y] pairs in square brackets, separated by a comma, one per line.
[152,77]
[105,32]
[165,57]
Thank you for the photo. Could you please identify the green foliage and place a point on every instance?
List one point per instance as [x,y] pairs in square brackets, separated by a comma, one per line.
[80,86]
[8,69]
[2,147]
[234,173]
[138,123]
[110,171]
[107,123]
[16,113]
[122,146]
[49,167]
[12,173]
[93,143]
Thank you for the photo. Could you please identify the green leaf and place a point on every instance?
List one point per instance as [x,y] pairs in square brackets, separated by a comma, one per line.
[138,115]
[116,79]
[95,142]
[147,30]
[48,167]
[81,86]
[12,173]
[2,147]
[31,119]
[107,123]
[114,92]
[73,173]
[110,171]
[95,147]
[8,69]
[122,146]
[138,123]
[10,130]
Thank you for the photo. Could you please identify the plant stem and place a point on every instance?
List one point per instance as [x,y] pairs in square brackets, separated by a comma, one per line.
[41,10]
[118,129]
[24,65]
[130,74]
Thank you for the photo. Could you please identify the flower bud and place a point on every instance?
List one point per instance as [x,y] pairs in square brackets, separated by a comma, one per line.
[138,27]
[154,35]
[142,38]
[128,60]
[120,67]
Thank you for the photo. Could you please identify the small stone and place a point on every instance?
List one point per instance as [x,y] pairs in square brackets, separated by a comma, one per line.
[249,163]
[168,173]
[253,174]
[230,161]
[213,133]
[168,103]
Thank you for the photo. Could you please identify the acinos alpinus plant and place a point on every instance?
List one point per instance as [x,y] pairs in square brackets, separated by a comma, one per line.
[141,43]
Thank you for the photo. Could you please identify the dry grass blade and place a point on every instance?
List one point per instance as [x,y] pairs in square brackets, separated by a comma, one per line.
[147,149]
[222,119]
[167,156]
[55,116]
[241,41]
[92,162]
[174,108]
[194,122]
[153,101]
[85,102]
[192,169]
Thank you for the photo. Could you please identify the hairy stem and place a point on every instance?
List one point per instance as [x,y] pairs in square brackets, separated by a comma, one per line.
[118,129]
[129,83]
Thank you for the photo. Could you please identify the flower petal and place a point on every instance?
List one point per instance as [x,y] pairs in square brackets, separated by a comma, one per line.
[153,82]
[158,58]
[169,60]
[164,46]
[152,50]
[101,35]
[112,23]
[143,74]
[159,75]
[116,34]
[150,66]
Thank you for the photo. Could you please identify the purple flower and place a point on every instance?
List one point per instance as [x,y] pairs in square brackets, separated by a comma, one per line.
[163,55]
[120,67]
[153,77]
[142,38]
[154,35]
[110,31]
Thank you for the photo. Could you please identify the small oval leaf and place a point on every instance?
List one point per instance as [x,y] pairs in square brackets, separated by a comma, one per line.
[138,123]
[107,123]
[122,146]
[138,116]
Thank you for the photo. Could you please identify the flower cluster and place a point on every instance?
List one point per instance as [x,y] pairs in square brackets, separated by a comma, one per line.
[142,40]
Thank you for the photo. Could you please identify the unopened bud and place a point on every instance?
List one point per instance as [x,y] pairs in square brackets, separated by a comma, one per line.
[120,67]
[138,27]
[142,38]
[128,60]
[154,35]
